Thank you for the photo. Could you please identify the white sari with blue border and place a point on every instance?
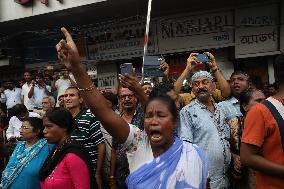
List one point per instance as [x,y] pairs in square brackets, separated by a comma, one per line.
[182,166]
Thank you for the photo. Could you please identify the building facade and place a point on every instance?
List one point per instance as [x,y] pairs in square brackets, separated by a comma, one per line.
[246,35]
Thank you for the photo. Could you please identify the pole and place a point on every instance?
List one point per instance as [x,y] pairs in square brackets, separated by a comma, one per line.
[146,36]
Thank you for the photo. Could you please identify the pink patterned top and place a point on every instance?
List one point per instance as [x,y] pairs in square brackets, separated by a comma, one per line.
[70,173]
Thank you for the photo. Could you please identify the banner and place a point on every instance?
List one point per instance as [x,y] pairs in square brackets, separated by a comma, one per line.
[193,32]
[257,32]
[123,40]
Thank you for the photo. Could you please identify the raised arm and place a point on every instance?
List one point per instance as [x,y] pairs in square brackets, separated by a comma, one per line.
[223,83]
[113,123]
[164,66]
[31,92]
[192,60]
[131,82]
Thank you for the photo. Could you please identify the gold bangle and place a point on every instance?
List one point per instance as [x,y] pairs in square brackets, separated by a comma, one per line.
[87,89]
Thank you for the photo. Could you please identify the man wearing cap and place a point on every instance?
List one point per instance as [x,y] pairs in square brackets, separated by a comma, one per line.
[204,123]
[192,65]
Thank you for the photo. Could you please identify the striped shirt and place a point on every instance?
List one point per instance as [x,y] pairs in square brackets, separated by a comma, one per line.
[88,133]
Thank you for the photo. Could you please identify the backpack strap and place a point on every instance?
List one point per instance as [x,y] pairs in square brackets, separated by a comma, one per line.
[277,110]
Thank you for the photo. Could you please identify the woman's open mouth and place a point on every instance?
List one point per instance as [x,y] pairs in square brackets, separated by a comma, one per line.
[155,136]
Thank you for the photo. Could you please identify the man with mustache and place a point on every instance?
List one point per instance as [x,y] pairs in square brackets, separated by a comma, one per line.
[193,65]
[131,111]
[128,103]
[204,123]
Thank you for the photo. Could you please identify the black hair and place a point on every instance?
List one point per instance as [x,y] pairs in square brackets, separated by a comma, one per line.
[40,75]
[19,109]
[62,118]
[245,97]
[36,124]
[73,87]
[111,97]
[167,101]
[11,81]
[240,72]
[145,83]
[161,89]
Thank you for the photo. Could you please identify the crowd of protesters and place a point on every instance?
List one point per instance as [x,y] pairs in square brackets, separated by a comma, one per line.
[63,132]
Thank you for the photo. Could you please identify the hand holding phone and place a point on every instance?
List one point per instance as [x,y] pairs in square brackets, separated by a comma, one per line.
[202,58]
[152,66]
[126,68]
[195,62]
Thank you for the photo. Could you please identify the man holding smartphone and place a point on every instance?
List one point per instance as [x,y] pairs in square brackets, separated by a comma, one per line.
[192,64]
[38,91]
[28,102]
[203,122]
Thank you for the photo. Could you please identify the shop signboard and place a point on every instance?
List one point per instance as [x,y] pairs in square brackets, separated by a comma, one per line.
[107,76]
[122,40]
[257,31]
[107,80]
[192,32]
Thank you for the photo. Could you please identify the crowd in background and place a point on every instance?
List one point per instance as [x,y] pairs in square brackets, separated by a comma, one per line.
[62,132]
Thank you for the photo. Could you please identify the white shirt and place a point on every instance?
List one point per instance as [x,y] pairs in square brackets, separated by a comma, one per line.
[39,93]
[61,85]
[139,152]
[28,102]
[15,125]
[13,97]
[138,148]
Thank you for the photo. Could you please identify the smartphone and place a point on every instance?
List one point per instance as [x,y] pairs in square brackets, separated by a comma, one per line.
[152,66]
[160,58]
[203,58]
[126,69]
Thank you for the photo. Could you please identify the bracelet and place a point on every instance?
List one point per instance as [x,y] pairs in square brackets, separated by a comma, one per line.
[111,180]
[87,89]
[215,70]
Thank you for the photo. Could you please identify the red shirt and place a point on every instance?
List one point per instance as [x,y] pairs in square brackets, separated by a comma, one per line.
[261,129]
